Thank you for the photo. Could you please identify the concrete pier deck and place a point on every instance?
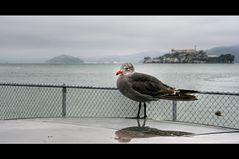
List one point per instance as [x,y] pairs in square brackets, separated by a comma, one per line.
[111,130]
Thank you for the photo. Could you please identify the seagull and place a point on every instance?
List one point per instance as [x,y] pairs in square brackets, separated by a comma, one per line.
[144,88]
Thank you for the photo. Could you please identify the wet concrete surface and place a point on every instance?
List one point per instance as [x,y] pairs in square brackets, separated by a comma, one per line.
[110,130]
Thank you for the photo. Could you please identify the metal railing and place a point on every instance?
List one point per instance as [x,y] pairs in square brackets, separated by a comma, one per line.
[40,100]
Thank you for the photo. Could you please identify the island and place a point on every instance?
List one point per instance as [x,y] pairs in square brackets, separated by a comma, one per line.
[190,56]
[64,59]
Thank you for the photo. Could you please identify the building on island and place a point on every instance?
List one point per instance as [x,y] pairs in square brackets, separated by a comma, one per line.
[189,56]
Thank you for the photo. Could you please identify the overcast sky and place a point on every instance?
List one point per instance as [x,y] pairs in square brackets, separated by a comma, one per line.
[88,36]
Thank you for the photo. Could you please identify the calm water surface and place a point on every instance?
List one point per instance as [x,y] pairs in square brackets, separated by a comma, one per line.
[204,77]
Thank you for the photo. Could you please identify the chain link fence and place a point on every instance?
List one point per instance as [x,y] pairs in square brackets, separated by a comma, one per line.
[36,101]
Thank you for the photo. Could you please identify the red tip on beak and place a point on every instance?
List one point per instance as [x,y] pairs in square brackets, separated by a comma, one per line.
[119,72]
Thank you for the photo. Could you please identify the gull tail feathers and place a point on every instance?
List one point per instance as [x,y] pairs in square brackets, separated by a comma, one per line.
[186,91]
[181,95]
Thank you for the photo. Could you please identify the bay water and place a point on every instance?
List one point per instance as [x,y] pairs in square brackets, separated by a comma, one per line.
[204,77]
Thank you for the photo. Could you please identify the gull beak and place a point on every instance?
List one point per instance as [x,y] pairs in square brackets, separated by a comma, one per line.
[119,72]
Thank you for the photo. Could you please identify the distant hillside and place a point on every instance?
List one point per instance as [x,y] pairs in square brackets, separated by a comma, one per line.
[234,50]
[65,59]
[133,58]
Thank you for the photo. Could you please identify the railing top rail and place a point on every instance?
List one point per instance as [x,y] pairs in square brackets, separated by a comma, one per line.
[219,93]
[102,88]
[55,86]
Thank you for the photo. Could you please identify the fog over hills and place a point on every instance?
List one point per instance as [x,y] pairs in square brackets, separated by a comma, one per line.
[133,58]
[234,50]
[22,60]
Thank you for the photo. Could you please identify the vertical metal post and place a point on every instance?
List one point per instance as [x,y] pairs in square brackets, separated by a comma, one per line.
[63,100]
[174,110]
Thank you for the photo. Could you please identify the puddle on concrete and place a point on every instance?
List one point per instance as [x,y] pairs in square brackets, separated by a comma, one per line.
[128,133]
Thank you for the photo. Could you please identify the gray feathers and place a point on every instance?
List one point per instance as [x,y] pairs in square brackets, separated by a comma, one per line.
[144,88]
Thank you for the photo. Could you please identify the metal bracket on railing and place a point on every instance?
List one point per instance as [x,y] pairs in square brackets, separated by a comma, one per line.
[64,100]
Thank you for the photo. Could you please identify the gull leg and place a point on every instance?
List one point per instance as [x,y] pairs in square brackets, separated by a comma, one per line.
[145,114]
[139,110]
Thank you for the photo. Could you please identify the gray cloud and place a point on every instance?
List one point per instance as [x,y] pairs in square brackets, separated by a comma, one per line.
[48,36]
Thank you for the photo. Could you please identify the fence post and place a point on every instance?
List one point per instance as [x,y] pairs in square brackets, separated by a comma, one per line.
[63,100]
[174,110]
